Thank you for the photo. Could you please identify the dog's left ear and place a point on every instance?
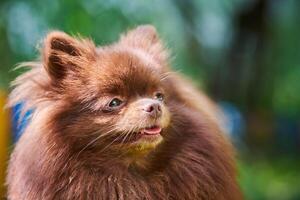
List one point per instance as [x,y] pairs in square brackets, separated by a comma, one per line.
[145,37]
[63,54]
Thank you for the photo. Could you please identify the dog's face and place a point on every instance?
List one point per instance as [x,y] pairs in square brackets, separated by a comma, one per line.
[116,95]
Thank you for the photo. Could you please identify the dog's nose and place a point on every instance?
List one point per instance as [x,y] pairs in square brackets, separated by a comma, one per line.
[153,109]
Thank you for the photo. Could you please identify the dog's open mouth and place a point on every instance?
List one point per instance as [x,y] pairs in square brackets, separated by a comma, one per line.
[148,134]
[144,138]
[153,130]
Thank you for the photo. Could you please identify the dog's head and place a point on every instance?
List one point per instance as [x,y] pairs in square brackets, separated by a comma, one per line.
[114,95]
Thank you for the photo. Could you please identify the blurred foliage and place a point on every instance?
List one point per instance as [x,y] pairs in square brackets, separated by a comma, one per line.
[252,46]
[262,181]
[201,33]
[245,53]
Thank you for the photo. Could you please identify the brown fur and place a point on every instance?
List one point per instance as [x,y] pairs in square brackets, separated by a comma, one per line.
[74,148]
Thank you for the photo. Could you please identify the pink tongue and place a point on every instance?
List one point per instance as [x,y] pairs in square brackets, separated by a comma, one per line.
[152,131]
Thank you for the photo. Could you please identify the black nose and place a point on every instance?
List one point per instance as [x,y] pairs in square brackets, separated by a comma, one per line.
[153,109]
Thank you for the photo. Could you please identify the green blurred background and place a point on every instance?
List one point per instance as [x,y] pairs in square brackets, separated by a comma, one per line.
[244,53]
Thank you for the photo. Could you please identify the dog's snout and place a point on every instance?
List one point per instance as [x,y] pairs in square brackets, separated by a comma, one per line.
[153,109]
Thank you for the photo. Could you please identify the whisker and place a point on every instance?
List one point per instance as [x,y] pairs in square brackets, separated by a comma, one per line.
[94,132]
[129,132]
[95,140]
[166,75]
[110,143]
[124,138]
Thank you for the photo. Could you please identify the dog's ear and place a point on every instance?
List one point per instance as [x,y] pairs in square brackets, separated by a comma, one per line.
[145,37]
[63,53]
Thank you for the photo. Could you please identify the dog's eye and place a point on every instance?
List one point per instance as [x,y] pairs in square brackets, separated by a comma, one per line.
[115,102]
[159,96]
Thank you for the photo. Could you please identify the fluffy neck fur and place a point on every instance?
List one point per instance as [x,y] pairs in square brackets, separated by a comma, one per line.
[194,162]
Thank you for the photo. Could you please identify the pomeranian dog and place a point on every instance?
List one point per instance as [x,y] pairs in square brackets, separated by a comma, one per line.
[114,122]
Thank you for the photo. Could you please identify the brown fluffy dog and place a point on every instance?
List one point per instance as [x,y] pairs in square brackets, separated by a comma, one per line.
[114,122]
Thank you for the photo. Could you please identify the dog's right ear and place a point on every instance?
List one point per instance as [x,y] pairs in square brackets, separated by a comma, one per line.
[63,54]
[145,37]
